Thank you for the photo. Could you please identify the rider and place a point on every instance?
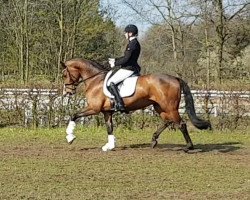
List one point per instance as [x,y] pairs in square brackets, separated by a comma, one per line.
[128,64]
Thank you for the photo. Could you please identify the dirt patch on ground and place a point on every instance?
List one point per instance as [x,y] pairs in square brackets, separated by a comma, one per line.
[44,169]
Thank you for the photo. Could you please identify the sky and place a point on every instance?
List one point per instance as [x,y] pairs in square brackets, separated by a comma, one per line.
[122,15]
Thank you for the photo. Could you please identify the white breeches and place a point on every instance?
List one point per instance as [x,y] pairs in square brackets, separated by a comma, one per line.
[119,76]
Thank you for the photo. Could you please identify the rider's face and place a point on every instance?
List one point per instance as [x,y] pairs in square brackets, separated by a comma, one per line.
[126,35]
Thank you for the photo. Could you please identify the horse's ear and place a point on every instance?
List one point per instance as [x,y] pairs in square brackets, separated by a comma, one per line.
[63,64]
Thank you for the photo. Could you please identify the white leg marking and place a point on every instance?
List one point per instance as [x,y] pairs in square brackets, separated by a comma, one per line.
[70,132]
[111,143]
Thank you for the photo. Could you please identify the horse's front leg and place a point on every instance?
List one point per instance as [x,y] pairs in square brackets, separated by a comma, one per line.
[111,138]
[72,123]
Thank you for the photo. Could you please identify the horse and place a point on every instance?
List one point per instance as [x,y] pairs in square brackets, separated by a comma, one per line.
[160,90]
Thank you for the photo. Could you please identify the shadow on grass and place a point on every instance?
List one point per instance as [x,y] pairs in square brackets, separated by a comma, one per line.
[198,148]
[3,125]
[6,125]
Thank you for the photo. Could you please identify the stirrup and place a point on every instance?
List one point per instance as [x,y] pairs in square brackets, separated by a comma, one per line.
[120,108]
[115,108]
[112,105]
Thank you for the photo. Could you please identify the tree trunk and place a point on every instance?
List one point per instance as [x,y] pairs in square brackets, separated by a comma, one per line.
[171,24]
[174,44]
[21,62]
[72,52]
[220,36]
[207,47]
[27,70]
[60,21]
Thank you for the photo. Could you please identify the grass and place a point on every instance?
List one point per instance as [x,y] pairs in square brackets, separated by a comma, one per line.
[38,164]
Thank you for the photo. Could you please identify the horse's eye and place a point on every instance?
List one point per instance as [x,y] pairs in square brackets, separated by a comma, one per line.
[64,76]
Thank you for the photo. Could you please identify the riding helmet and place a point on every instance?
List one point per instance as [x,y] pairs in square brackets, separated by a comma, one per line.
[131,28]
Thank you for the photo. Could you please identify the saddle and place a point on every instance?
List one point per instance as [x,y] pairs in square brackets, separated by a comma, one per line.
[126,87]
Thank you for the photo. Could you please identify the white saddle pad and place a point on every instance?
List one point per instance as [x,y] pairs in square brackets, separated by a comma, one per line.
[126,88]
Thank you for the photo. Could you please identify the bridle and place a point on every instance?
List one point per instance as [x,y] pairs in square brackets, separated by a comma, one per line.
[72,86]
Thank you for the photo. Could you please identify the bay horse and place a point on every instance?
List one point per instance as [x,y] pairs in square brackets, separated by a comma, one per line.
[161,91]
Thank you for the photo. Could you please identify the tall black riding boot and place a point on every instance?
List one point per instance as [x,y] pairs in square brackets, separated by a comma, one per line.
[119,102]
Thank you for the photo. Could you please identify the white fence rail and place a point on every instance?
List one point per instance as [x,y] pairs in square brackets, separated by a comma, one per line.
[213,102]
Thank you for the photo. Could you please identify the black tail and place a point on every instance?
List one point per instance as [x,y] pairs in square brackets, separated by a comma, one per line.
[189,104]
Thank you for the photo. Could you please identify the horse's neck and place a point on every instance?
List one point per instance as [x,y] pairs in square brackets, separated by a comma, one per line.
[88,73]
[91,75]
[93,85]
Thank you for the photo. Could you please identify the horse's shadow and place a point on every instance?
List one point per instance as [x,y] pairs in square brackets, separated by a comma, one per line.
[5,125]
[198,148]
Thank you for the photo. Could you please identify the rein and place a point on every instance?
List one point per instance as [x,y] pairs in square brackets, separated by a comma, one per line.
[75,84]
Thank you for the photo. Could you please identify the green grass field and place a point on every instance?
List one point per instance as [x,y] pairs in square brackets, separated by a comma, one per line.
[39,164]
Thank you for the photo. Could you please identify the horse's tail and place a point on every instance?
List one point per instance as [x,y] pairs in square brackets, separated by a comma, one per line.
[189,105]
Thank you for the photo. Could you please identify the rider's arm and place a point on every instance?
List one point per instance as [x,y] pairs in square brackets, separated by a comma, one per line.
[127,55]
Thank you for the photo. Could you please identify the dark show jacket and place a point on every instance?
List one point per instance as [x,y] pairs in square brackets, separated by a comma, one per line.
[131,55]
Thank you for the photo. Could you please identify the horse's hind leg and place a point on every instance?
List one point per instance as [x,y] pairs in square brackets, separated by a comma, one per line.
[157,134]
[162,128]
[173,116]
[183,129]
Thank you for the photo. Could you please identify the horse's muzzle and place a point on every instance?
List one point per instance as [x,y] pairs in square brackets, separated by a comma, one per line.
[67,93]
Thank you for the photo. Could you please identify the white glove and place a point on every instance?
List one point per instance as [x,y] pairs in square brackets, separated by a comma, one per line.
[112,62]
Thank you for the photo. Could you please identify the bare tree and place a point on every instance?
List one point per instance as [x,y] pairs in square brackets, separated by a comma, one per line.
[221,22]
[158,12]
[22,36]
[172,14]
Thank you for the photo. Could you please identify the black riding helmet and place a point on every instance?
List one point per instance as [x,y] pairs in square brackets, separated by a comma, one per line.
[131,28]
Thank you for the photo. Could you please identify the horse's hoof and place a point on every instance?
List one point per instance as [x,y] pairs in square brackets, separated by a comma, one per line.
[70,138]
[107,147]
[154,143]
[187,149]
[190,148]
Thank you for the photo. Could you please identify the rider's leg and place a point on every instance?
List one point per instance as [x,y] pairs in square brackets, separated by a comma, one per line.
[119,102]
[119,76]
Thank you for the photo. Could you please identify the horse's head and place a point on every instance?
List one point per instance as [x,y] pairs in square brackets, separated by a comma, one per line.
[71,79]
[76,71]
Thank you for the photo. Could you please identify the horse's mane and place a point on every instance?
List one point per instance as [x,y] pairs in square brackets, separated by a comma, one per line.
[97,65]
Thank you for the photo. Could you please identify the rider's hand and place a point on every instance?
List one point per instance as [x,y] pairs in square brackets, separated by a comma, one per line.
[112,62]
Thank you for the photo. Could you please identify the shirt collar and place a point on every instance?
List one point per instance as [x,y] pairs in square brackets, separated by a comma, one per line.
[131,38]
